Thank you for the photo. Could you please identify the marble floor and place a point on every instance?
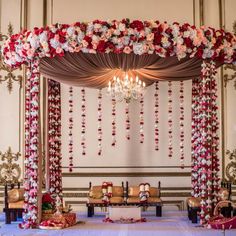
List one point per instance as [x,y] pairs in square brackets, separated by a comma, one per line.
[173,223]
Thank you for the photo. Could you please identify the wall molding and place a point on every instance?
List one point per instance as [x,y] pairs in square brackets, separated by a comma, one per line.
[127,174]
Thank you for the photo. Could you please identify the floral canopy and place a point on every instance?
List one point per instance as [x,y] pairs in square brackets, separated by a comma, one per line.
[89,54]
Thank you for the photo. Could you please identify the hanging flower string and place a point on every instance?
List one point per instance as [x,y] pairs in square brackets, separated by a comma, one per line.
[215,141]
[156,111]
[54,137]
[170,122]
[181,123]
[27,148]
[71,129]
[113,101]
[127,121]
[196,136]
[32,152]
[99,122]
[141,120]
[83,122]
[206,144]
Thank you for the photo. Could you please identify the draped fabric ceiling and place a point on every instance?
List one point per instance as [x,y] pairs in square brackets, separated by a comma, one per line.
[95,70]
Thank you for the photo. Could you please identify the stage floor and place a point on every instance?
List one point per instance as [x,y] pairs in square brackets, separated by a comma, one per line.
[173,223]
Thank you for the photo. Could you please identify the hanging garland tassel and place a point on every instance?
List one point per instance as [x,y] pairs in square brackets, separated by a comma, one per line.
[83,117]
[31,146]
[141,119]
[70,129]
[99,122]
[156,110]
[54,137]
[127,121]
[170,122]
[195,141]
[181,123]
[215,138]
[113,100]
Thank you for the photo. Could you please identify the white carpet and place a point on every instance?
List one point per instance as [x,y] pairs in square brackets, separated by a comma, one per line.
[173,223]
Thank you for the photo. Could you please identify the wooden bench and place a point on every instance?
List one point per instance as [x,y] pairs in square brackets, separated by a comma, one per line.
[96,197]
[14,202]
[132,197]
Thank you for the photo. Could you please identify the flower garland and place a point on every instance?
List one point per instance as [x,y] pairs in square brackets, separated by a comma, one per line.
[181,123]
[83,123]
[141,119]
[215,138]
[99,122]
[127,121]
[32,152]
[107,191]
[156,111]
[27,147]
[71,123]
[125,36]
[113,102]
[54,137]
[144,192]
[170,122]
[196,136]
[207,118]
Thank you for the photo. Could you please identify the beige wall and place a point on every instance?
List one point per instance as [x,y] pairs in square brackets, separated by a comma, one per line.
[126,153]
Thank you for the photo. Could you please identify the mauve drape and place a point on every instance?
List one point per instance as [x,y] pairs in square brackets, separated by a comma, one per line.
[95,70]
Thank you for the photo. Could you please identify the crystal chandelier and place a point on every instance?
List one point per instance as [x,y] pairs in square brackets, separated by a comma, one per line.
[125,89]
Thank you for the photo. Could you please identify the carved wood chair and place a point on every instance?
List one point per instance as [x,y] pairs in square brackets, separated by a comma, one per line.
[194,204]
[14,202]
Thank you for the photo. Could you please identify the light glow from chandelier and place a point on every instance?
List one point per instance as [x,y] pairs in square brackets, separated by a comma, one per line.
[126,89]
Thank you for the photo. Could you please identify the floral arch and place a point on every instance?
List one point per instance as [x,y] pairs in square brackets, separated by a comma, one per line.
[89,54]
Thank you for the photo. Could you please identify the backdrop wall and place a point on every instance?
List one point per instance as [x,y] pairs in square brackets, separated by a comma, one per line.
[155,165]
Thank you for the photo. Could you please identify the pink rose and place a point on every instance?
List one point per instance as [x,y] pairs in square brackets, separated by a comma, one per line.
[59,50]
[30,52]
[127,50]
[150,37]
[26,46]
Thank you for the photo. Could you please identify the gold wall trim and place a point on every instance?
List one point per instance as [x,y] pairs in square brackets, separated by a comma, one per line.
[201,12]
[128,167]
[223,93]
[127,174]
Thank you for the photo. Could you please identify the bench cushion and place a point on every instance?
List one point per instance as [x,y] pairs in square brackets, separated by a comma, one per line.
[113,200]
[117,191]
[137,200]
[134,191]
[194,202]
[19,204]
[96,192]
[15,195]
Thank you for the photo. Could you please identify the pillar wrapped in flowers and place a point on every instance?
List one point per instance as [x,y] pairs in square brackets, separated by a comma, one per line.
[54,138]
[32,151]
[205,181]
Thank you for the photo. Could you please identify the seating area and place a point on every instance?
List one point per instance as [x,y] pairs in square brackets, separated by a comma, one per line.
[194,203]
[142,195]
[14,202]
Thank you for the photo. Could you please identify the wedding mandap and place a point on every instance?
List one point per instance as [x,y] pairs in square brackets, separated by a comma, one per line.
[89,55]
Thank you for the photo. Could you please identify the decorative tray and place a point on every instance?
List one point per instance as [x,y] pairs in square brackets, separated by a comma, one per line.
[50,227]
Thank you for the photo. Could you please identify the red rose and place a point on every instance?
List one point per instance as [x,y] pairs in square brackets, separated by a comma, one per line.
[136,24]
[47,198]
[101,46]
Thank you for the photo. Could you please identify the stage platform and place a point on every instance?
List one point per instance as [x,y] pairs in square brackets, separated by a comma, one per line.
[173,223]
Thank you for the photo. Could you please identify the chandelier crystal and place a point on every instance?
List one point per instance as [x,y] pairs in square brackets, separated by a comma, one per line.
[126,89]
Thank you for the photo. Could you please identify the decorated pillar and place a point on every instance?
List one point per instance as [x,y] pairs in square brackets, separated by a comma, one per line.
[32,150]
[54,138]
[207,145]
